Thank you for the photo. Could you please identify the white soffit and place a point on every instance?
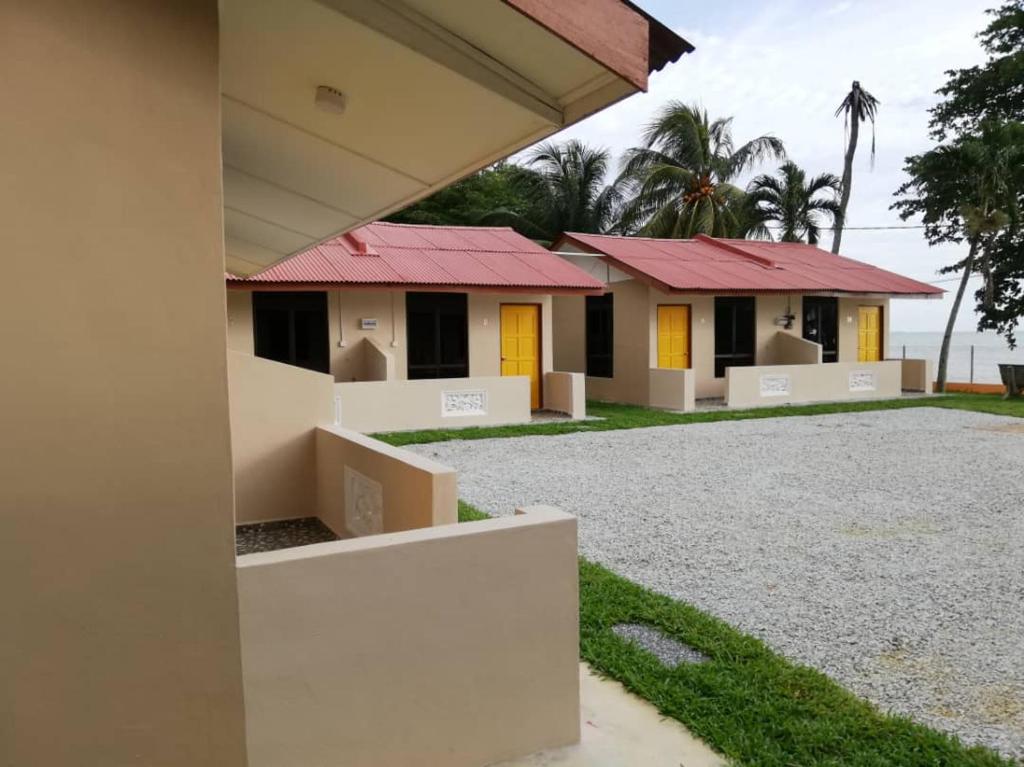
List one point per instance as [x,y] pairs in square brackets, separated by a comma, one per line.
[434,90]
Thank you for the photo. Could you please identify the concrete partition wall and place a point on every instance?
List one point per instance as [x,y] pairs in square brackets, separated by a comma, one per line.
[566,393]
[365,487]
[439,403]
[378,362]
[120,637]
[275,409]
[787,349]
[454,646]
[792,384]
[672,389]
[917,375]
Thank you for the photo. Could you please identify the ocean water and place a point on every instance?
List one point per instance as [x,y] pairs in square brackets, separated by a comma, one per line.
[989,351]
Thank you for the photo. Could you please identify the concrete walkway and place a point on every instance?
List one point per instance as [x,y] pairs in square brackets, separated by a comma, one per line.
[619,729]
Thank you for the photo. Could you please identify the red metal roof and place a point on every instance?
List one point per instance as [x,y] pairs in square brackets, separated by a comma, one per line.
[713,265]
[427,256]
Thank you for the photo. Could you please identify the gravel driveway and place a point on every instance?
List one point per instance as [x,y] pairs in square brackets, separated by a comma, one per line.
[884,548]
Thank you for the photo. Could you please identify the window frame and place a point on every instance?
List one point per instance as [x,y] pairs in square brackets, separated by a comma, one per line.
[439,305]
[599,362]
[733,358]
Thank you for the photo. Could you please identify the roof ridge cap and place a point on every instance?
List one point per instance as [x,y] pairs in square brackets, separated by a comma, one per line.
[736,250]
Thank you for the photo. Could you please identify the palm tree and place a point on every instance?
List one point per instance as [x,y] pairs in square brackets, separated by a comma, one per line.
[858,106]
[680,179]
[791,201]
[568,190]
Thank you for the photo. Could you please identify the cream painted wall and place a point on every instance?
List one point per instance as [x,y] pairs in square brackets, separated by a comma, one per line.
[454,645]
[632,383]
[485,331]
[848,326]
[346,308]
[770,308]
[275,409]
[387,307]
[569,333]
[240,333]
[120,643]
[702,339]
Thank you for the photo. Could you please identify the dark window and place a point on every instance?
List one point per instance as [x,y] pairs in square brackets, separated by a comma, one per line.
[292,328]
[437,334]
[821,325]
[600,336]
[734,333]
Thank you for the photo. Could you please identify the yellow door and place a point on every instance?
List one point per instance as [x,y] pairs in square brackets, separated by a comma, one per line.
[674,337]
[869,328]
[520,345]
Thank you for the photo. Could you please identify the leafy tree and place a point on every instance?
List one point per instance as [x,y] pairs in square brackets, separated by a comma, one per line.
[968,190]
[567,192]
[504,186]
[858,106]
[993,90]
[801,207]
[680,180]
[983,95]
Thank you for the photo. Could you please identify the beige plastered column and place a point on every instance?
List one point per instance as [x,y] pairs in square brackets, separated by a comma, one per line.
[120,642]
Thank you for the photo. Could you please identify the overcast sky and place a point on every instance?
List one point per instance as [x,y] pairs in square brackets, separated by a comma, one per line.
[782,67]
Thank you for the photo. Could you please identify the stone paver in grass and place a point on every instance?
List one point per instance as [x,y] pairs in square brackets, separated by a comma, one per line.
[669,651]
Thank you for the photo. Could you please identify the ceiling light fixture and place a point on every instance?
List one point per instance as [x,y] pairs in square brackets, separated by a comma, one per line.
[330,99]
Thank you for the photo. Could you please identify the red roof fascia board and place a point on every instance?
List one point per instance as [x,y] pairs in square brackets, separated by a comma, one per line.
[617,35]
[427,257]
[709,265]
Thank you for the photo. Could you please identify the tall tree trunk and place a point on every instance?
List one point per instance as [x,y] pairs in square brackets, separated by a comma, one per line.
[844,194]
[940,378]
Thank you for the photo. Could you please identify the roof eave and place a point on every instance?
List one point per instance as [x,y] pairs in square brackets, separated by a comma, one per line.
[257,285]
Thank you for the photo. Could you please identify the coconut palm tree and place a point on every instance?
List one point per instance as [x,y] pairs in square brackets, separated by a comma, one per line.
[858,106]
[801,208]
[680,180]
[568,190]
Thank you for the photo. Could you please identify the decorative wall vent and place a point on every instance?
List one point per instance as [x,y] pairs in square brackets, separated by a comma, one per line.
[775,385]
[465,402]
[862,380]
[364,504]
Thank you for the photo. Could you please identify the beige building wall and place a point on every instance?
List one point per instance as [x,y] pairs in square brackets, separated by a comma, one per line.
[454,646]
[848,326]
[569,334]
[275,409]
[637,352]
[629,312]
[702,339]
[346,308]
[240,331]
[120,643]
[485,331]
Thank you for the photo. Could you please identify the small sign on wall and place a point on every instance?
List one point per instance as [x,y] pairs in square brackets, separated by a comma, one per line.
[368,323]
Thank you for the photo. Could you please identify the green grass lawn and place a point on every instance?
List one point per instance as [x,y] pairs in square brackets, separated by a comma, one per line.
[746,702]
[634,417]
